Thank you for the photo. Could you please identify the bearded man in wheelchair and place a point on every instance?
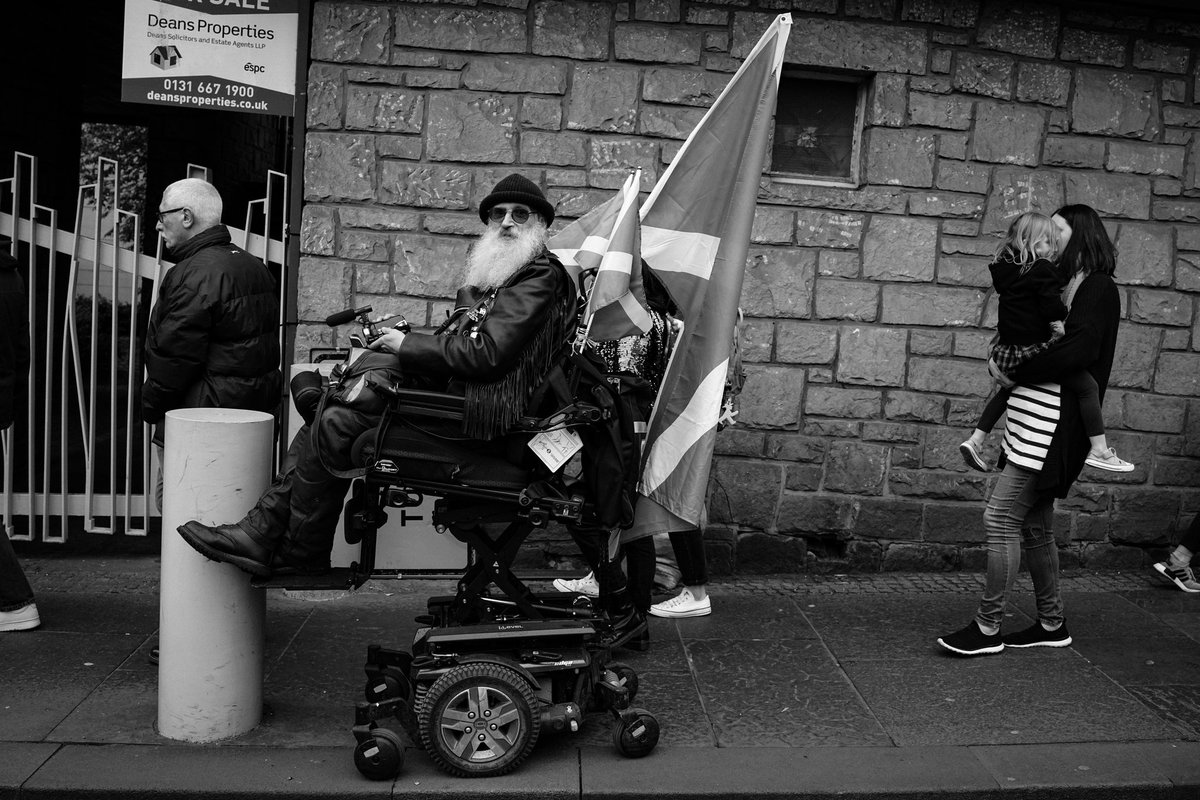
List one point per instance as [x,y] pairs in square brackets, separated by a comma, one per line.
[494,354]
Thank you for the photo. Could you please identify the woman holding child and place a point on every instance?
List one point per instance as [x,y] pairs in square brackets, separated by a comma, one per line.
[1047,440]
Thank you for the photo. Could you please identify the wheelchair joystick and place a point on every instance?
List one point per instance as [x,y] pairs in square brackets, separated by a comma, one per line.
[370,330]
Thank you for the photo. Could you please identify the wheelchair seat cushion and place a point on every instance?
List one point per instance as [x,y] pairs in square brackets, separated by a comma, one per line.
[440,454]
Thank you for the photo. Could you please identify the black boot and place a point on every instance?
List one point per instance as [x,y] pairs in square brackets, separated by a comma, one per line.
[629,628]
[228,544]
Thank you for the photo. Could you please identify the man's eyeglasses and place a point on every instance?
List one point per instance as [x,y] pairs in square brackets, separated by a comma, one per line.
[162,214]
[519,215]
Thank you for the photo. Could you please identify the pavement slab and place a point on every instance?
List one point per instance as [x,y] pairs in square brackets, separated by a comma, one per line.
[1092,769]
[813,686]
[764,772]
[787,693]
[1051,696]
[47,674]
[18,762]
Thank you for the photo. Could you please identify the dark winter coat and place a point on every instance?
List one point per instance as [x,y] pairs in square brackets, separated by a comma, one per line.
[1090,343]
[213,339]
[14,337]
[1029,300]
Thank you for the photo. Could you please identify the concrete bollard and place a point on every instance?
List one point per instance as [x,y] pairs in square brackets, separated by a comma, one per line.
[211,622]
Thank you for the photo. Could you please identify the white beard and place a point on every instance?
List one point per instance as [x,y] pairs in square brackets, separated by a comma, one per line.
[494,258]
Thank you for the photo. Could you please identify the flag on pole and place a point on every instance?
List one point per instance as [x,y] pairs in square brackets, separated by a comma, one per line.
[607,239]
[695,236]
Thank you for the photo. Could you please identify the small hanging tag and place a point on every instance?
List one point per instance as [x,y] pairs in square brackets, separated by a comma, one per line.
[555,448]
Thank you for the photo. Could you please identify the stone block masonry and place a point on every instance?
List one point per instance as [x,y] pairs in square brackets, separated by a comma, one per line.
[868,306]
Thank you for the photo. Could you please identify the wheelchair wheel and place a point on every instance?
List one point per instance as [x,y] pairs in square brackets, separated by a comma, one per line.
[603,699]
[635,732]
[390,684]
[627,677]
[477,720]
[380,757]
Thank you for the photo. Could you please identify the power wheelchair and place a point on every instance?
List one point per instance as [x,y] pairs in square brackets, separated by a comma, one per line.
[496,664]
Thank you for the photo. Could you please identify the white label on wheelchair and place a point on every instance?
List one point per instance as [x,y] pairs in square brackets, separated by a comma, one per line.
[555,448]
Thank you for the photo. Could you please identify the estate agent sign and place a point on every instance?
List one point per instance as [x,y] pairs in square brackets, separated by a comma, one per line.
[236,55]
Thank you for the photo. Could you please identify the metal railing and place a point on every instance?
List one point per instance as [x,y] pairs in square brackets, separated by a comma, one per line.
[85,376]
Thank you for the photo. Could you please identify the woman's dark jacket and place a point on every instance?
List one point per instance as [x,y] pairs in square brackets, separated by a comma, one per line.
[213,335]
[1090,343]
[14,337]
[1029,300]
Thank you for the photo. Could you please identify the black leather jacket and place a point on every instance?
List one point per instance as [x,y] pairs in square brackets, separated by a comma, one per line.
[213,335]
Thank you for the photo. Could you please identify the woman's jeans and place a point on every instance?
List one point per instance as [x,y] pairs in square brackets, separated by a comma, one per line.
[1019,519]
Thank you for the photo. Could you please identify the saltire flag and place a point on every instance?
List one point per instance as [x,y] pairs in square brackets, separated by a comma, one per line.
[607,239]
[695,236]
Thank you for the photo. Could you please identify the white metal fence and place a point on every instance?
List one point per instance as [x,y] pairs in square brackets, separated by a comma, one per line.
[81,449]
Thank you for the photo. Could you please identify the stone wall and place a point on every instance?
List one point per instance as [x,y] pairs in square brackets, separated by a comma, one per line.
[869,310]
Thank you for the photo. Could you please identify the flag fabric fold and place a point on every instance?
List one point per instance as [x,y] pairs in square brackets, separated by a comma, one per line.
[607,239]
[695,236]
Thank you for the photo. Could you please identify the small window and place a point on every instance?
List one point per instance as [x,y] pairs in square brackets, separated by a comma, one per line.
[818,126]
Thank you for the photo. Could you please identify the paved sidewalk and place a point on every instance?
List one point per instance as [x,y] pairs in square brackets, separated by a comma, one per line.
[807,686]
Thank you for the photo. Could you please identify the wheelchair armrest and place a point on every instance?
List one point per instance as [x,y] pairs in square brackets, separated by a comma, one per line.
[423,402]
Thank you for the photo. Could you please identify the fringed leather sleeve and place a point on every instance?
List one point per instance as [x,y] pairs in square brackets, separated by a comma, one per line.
[503,358]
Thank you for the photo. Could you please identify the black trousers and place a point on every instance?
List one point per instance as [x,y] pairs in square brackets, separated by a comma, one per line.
[638,576]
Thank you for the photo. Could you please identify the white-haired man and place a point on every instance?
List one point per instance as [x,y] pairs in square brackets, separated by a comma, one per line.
[510,320]
[213,339]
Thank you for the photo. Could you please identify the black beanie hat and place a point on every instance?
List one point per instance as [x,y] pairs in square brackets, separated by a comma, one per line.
[517,189]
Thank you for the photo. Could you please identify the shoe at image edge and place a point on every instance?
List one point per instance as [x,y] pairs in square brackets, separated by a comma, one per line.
[25,618]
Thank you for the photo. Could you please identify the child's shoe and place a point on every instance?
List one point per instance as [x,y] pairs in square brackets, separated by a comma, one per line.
[974,458]
[1107,460]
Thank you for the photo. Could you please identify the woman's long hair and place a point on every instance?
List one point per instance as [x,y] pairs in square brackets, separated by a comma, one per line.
[1089,248]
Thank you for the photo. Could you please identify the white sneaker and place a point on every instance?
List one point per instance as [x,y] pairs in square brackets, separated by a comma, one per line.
[682,605]
[23,619]
[586,586]
[1107,460]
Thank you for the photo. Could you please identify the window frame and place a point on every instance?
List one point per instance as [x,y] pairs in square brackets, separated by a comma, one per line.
[863,81]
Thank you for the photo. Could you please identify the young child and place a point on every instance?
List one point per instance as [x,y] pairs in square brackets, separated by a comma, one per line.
[1031,315]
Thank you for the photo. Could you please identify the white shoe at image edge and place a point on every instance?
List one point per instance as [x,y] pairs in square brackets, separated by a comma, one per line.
[23,619]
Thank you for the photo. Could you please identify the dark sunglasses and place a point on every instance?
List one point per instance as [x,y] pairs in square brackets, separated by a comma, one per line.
[519,215]
[161,214]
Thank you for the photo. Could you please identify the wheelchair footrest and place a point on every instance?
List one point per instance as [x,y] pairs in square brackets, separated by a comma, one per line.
[337,578]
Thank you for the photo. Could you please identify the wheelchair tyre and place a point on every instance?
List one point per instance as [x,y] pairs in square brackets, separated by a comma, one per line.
[380,757]
[635,733]
[477,720]
[627,676]
[390,684]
